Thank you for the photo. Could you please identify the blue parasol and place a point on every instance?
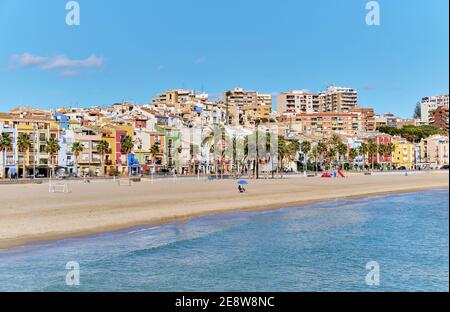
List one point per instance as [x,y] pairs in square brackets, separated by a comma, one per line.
[242,182]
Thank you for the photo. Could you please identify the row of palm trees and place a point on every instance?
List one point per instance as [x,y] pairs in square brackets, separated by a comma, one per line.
[221,144]
[24,144]
[52,147]
[329,151]
[126,143]
[332,151]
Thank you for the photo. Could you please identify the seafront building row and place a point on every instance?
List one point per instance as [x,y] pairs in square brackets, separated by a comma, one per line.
[127,138]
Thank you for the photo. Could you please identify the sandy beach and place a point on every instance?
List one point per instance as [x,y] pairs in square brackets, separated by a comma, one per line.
[29,213]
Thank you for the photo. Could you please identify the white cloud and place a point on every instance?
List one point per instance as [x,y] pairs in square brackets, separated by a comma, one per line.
[62,61]
[28,59]
[59,62]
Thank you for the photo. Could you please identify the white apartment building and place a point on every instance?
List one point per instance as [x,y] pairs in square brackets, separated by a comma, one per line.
[435,150]
[338,100]
[430,103]
[298,102]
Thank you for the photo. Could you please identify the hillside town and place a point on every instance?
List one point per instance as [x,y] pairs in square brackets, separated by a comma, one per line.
[172,135]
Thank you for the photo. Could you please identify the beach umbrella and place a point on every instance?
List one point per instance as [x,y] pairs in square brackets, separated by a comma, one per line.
[242,182]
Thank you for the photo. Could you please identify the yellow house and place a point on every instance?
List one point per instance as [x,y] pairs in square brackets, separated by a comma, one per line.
[404,153]
[39,127]
[114,159]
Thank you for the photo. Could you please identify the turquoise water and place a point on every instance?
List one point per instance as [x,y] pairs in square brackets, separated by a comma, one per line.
[321,247]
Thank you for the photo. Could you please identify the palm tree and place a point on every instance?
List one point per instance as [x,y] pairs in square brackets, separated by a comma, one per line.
[321,149]
[363,150]
[24,144]
[342,150]
[126,146]
[77,148]
[215,138]
[154,151]
[373,150]
[293,148]
[258,149]
[102,149]
[353,154]
[390,148]
[330,153]
[334,142]
[306,148]
[283,152]
[5,144]
[193,152]
[382,151]
[51,148]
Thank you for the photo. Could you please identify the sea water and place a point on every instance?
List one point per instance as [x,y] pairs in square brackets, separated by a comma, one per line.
[322,247]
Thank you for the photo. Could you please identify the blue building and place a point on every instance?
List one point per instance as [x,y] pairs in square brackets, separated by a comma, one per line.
[62,120]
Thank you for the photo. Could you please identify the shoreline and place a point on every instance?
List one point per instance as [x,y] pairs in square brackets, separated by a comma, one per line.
[172,207]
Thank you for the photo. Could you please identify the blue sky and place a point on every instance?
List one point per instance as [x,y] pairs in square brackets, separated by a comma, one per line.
[135,49]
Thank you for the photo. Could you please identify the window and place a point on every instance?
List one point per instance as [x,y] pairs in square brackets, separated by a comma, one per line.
[95,157]
[42,137]
[85,157]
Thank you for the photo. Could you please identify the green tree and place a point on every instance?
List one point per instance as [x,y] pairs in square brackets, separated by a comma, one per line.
[306,148]
[322,149]
[102,149]
[390,148]
[5,144]
[353,154]
[373,151]
[52,148]
[154,151]
[24,144]
[215,139]
[363,150]
[334,143]
[342,150]
[260,149]
[412,133]
[77,148]
[283,153]
[126,146]
[382,151]
[294,147]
